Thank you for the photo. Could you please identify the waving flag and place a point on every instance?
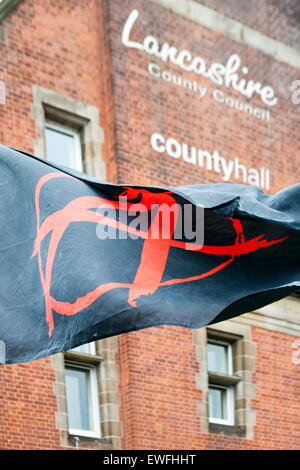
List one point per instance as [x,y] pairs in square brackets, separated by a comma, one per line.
[82,259]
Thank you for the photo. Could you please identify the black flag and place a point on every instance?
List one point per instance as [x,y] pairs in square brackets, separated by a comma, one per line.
[82,259]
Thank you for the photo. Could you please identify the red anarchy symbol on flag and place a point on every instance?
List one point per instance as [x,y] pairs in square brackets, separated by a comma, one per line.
[154,253]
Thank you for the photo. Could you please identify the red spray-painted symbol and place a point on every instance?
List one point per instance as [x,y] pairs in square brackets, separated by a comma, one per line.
[154,253]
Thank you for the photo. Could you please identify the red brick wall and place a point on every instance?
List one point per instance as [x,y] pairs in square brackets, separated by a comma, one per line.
[158,366]
[74,48]
[61,45]
[277,384]
[159,390]
[28,406]
[146,105]
[158,376]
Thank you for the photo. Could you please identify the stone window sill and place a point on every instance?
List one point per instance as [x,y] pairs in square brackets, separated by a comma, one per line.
[90,442]
[226,430]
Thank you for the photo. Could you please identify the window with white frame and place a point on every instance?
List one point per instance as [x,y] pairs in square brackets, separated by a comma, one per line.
[81,382]
[82,399]
[63,145]
[221,382]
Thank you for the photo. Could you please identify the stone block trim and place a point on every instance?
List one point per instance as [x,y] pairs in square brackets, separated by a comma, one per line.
[200,342]
[109,400]
[244,353]
[62,109]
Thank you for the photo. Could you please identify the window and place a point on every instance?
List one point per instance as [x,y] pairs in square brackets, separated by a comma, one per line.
[82,400]
[64,123]
[219,358]
[226,356]
[63,145]
[221,381]
[82,391]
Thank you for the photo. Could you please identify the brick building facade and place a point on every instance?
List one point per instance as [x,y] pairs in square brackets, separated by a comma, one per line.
[218,108]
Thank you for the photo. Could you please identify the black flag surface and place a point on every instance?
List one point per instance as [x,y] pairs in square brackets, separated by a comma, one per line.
[82,259]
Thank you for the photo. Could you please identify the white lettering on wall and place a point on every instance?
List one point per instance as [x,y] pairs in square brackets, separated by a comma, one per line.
[229,75]
[228,169]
